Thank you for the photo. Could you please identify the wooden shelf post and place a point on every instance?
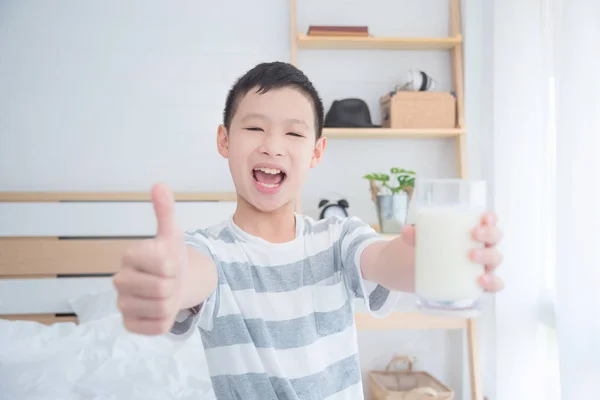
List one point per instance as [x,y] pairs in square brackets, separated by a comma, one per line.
[453,43]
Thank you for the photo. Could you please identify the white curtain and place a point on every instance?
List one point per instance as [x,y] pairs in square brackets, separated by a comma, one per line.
[546,191]
[577,60]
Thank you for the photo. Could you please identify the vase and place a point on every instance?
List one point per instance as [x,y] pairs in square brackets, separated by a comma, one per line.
[392,210]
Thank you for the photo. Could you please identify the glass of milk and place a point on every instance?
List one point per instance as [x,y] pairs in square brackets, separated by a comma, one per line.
[446,211]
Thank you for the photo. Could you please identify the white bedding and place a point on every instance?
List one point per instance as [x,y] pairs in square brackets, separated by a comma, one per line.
[98,360]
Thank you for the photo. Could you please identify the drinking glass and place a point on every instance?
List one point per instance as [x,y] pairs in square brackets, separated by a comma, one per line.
[446,213]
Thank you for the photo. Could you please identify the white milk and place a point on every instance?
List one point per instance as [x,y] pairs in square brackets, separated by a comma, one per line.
[444,271]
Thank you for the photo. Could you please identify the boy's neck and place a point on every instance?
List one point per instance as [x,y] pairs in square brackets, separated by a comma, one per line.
[277,226]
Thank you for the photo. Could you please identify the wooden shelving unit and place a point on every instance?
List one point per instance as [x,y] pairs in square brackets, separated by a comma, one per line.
[452,43]
[387,133]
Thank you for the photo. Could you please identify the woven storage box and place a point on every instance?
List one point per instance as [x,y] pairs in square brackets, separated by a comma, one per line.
[418,110]
[392,384]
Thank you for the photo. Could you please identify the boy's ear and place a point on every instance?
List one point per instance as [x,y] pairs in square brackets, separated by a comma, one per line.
[223,141]
[318,151]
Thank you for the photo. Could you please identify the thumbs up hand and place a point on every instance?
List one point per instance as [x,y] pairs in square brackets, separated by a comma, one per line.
[149,283]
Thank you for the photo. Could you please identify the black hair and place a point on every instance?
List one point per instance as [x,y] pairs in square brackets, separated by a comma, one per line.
[268,76]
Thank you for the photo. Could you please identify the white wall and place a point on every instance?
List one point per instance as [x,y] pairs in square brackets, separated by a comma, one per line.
[117,95]
[113,95]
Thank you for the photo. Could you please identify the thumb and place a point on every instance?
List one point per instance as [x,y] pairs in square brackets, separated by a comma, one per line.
[164,209]
[408,234]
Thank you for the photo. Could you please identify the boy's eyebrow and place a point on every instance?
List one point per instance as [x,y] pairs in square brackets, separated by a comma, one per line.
[297,121]
[254,115]
[264,117]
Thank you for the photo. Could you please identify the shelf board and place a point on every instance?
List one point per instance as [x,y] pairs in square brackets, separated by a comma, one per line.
[378,43]
[387,133]
[407,320]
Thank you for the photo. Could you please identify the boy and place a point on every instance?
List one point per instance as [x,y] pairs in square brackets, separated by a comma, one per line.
[271,291]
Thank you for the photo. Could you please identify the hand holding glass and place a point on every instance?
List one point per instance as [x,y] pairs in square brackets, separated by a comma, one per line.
[447,211]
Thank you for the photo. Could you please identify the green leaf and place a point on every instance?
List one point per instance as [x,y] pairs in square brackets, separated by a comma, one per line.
[403,176]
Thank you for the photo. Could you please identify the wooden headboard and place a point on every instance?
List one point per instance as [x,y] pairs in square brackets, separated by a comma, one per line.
[55,246]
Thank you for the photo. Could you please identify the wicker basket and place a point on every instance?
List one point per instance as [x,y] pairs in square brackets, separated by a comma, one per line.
[392,384]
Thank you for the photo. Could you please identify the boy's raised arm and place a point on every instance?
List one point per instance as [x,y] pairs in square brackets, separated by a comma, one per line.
[161,276]
[392,263]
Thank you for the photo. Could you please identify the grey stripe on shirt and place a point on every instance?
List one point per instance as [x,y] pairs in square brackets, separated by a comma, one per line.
[283,278]
[234,329]
[335,378]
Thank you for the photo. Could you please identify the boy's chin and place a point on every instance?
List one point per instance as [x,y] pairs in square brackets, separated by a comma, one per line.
[276,203]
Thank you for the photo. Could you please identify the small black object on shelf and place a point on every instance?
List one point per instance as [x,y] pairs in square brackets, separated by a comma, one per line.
[333,209]
[349,113]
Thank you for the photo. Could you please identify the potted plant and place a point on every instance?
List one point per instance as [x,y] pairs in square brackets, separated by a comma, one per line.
[391,194]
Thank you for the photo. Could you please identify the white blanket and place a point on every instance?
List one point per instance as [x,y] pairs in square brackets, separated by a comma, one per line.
[98,360]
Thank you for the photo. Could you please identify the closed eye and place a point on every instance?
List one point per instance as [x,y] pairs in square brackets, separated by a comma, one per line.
[295,134]
[253,128]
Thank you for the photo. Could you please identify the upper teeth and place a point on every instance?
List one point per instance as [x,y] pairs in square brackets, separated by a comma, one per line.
[272,171]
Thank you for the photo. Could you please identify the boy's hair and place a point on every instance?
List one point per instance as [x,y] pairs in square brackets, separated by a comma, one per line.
[268,76]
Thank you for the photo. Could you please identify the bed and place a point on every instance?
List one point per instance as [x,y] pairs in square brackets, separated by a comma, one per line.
[61,335]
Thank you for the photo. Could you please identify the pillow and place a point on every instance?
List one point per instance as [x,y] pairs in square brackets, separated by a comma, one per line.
[94,306]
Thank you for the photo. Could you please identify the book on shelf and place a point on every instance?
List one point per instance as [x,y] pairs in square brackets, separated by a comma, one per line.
[336,30]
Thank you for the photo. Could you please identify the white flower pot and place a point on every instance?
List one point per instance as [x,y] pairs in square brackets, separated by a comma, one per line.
[392,210]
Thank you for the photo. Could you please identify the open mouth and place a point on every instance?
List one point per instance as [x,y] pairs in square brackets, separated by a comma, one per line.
[269,178]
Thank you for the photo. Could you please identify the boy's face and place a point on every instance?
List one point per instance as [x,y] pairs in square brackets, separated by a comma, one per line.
[271,146]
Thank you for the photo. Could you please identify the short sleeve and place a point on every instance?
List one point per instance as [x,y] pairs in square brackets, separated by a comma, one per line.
[204,314]
[355,236]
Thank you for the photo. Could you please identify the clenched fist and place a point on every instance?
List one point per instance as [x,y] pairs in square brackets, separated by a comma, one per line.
[149,283]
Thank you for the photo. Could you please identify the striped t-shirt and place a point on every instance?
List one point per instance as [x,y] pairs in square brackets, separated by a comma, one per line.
[280,323]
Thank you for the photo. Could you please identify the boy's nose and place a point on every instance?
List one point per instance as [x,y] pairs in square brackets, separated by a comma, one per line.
[272,146]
